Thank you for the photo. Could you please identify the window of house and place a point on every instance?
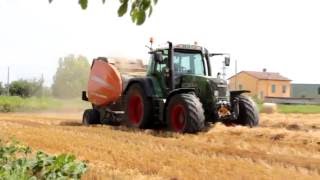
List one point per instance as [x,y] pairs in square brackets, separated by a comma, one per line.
[284,89]
[319,90]
[240,86]
[273,88]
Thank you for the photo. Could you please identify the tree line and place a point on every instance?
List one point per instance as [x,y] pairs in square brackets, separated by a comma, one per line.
[70,79]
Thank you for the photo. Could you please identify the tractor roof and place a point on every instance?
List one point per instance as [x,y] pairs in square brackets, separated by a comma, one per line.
[184,47]
[188,46]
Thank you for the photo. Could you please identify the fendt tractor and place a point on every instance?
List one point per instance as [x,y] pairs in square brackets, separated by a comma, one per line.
[178,92]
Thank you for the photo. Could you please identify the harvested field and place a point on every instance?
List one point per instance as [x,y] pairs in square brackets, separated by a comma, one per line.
[285,146]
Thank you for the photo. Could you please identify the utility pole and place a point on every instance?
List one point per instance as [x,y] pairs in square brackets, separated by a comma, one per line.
[236,78]
[8,81]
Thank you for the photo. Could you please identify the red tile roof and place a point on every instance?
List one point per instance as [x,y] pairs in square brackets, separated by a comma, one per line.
[266,75]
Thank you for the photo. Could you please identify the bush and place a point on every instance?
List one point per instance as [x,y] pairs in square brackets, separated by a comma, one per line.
[2,89]
[25,88]
[10,103]
[16,163]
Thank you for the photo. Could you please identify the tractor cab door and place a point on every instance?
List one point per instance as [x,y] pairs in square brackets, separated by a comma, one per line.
[160,75]
[157,70]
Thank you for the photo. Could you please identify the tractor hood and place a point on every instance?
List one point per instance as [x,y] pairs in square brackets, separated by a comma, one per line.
[218,81]
[219,85]
[204,84]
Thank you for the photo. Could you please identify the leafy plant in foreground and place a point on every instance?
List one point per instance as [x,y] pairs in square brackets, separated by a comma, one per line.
[17,162]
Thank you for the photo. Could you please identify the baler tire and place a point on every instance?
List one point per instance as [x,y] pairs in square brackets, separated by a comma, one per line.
[248,112]
[90,116]
[185,114]
[138,107]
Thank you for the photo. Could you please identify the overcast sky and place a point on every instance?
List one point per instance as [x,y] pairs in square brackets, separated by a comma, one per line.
[279,35]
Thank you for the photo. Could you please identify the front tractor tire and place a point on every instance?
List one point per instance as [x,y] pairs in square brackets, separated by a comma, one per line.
[90,116]
[137,107]
[185,114]
[248,112]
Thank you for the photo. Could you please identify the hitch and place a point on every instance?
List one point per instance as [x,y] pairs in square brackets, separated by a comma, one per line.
[84,96]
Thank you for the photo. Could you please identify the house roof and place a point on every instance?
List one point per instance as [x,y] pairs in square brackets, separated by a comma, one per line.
[265,75]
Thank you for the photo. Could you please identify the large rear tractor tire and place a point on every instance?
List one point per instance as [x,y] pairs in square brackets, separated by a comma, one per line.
[248,112]
[90,116]
[137,107]
[185,114]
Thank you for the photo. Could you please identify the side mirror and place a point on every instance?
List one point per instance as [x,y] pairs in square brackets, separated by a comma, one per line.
[158,57]
[227,61]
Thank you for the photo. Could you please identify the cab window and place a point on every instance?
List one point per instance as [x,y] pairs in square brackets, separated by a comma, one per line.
[188,63]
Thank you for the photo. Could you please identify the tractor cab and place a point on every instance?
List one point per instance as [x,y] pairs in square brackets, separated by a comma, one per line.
[180,66]
[185,60]
[169,65]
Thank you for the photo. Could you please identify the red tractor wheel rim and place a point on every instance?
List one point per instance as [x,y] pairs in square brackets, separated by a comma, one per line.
[178,117]
[135,110]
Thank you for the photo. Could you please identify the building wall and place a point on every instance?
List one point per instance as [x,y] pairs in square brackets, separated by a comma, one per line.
[260,88]
[244,82]
[265,88]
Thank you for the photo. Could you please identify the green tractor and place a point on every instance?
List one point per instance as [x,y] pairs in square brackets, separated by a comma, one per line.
[180,92]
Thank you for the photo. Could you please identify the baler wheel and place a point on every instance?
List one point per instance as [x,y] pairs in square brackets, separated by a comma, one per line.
[90,116]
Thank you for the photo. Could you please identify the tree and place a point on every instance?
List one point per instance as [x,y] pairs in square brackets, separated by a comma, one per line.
[26,88]
[2,90]
[138,10]
[71,77]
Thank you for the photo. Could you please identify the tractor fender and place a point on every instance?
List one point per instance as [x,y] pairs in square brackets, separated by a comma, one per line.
[238,92]
[171,94]
[178,91]
[145,83]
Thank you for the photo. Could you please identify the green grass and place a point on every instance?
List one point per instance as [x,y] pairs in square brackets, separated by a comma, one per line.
[304,109]
[292,108]
[18,104]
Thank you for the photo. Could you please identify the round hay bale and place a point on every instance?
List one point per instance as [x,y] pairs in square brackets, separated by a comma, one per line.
[269,108]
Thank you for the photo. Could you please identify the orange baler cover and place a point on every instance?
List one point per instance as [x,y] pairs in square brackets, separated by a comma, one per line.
[105,84]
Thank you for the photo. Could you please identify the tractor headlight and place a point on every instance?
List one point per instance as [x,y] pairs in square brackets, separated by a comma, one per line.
[216,93]
[228,93]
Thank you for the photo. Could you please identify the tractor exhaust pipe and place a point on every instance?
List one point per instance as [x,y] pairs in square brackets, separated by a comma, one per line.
[170,65]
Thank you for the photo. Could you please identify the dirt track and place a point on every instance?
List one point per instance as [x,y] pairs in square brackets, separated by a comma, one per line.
[283,147]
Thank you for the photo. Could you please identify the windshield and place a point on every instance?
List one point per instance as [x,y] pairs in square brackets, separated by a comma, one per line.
[188,63]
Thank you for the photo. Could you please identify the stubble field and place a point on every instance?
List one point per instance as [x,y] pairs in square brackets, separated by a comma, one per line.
[285,146]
